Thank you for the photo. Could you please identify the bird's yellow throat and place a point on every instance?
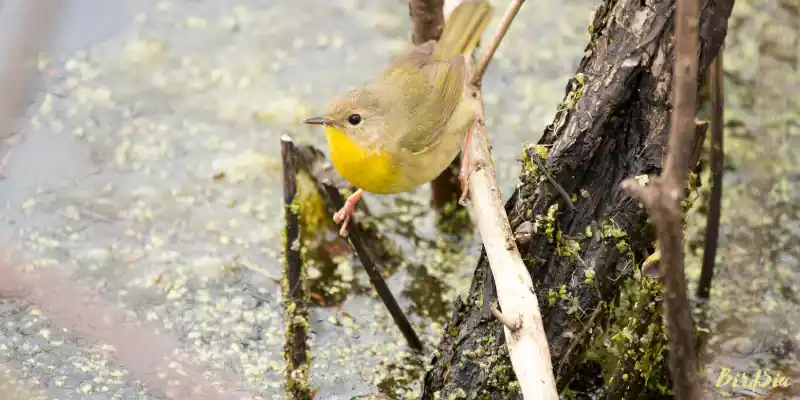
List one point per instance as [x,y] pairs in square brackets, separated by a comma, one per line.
[365,169]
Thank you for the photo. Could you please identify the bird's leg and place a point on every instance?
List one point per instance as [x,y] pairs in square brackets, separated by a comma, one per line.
[343,215]
[466,168]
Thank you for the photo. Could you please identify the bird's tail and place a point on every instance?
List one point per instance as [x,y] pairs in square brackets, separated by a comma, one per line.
[463,28]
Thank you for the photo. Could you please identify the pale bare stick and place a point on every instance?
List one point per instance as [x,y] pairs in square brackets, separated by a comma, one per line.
[521,318]
[527,345]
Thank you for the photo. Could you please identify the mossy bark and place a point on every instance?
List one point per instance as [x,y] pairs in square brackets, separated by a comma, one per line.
[612,125]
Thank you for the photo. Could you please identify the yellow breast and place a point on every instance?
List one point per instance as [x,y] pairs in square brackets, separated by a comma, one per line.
[366,169]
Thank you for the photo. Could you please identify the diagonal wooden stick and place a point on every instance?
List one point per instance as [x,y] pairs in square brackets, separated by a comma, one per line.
[521,317]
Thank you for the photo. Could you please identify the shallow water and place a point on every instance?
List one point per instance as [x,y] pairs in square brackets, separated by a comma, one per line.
[143,102]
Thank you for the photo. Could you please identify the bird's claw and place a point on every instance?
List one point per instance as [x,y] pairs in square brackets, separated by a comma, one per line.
[467,168]
[343,217]
[463,177]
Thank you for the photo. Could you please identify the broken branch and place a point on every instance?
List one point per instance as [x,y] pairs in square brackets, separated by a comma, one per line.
[513,326]
[295,293]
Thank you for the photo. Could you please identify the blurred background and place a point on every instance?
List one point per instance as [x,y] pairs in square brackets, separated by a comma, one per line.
[147,170]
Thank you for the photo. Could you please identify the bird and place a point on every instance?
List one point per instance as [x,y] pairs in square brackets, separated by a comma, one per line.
[401,129]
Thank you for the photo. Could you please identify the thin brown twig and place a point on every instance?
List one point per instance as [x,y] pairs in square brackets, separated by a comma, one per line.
[294,284]
[427,20]
[487,56]
[589,324]
[663,196]
[717,165]
[374,275]
[560,189]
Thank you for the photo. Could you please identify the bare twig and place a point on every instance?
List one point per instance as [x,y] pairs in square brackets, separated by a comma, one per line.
[374,275]
[512,325]
[527,345]
[528,349]
[560,189]
[486,58]
[717,160]
[663,196]
[294,285]
[589,324]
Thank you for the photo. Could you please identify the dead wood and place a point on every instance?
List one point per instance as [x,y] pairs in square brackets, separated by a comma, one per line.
[612,125]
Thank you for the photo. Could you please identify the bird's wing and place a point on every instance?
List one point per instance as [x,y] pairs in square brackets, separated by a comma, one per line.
[442,84]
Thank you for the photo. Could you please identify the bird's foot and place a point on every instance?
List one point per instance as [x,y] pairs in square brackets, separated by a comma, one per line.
[343,215]
[467,168]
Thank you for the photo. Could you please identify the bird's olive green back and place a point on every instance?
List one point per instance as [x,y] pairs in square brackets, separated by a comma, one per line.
[434,75]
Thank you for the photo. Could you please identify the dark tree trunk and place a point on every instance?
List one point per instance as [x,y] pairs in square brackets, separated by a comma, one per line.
[612,125]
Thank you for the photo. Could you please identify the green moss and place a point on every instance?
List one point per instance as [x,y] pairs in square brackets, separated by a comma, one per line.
[309,205]
[567,247]
[620,342]
[546,223]
[458,394]
[642,179]
[576,92]
[529,167]
[552,297]
[588,276]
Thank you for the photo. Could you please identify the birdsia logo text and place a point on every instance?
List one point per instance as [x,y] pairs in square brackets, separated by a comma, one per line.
[759,380]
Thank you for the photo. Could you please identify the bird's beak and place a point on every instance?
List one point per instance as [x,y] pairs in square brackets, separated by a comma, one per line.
[318,120]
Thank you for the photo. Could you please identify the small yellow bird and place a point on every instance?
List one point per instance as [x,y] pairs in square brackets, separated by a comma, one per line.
[402,129]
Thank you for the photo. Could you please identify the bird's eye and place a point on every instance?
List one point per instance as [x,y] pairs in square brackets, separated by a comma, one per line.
[354,119]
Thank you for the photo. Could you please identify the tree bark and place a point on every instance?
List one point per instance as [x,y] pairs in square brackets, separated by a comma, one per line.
[612,125]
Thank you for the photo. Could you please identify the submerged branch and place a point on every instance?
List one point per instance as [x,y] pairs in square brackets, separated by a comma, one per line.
[19,65]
